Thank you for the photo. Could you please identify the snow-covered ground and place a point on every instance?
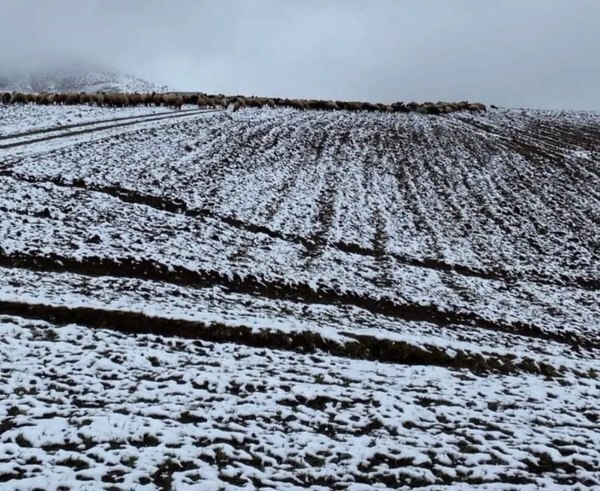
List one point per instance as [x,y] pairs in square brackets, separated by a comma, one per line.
[31,118]
[343,300]
[83,406]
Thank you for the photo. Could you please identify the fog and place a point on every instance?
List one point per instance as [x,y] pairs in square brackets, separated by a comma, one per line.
[538,53]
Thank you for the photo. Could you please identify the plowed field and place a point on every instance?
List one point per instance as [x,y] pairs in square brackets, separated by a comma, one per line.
[284,299]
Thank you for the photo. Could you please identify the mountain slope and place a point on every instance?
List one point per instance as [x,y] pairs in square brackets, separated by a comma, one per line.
[72,77]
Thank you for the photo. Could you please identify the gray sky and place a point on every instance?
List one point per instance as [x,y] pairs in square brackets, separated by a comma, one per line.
[520,53]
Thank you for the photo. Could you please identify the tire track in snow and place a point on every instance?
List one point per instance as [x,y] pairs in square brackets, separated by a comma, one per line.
[102,127]
[52,129]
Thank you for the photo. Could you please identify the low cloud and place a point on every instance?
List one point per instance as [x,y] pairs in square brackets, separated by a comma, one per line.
[539,53]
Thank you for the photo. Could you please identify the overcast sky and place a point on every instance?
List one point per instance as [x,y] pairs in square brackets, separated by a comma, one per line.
[519,53]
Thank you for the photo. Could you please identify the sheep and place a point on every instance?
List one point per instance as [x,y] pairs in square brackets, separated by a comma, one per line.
[178,102]
[20,98]
[157,99]
[201,101]
[135,99]
[118,100]
[399,107]
[190,98]
[94,100]
[433,109]
[61,98]
[321,105]
[211,101]
[72,99]
[148,99]
[114,100]
[367,106]
[123,100]
[173,100]
[84,98]
[109,100]
[477,106]
[260,101]
[297,104]
[253,102]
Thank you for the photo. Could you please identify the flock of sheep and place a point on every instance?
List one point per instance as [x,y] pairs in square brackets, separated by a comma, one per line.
[99,99]
[176,101]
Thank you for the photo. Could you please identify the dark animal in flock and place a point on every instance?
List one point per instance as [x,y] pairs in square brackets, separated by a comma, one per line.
[84,98]
[72,99]
[157,99]
[236,102]
[190,98]
[201,101]
[20,98]
[135,99]
[172,100]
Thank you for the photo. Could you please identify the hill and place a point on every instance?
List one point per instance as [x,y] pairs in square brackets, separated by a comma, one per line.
[277,298]
[72,77]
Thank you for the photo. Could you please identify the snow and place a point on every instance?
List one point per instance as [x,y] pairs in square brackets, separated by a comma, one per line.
[94,396]
[73,76]
[360,300]
[30,118]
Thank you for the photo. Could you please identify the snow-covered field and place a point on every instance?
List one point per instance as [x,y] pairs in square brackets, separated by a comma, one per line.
[283,299]
[32,118]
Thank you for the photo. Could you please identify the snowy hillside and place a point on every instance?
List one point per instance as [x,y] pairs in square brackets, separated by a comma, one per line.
[280,299]
[72,77]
